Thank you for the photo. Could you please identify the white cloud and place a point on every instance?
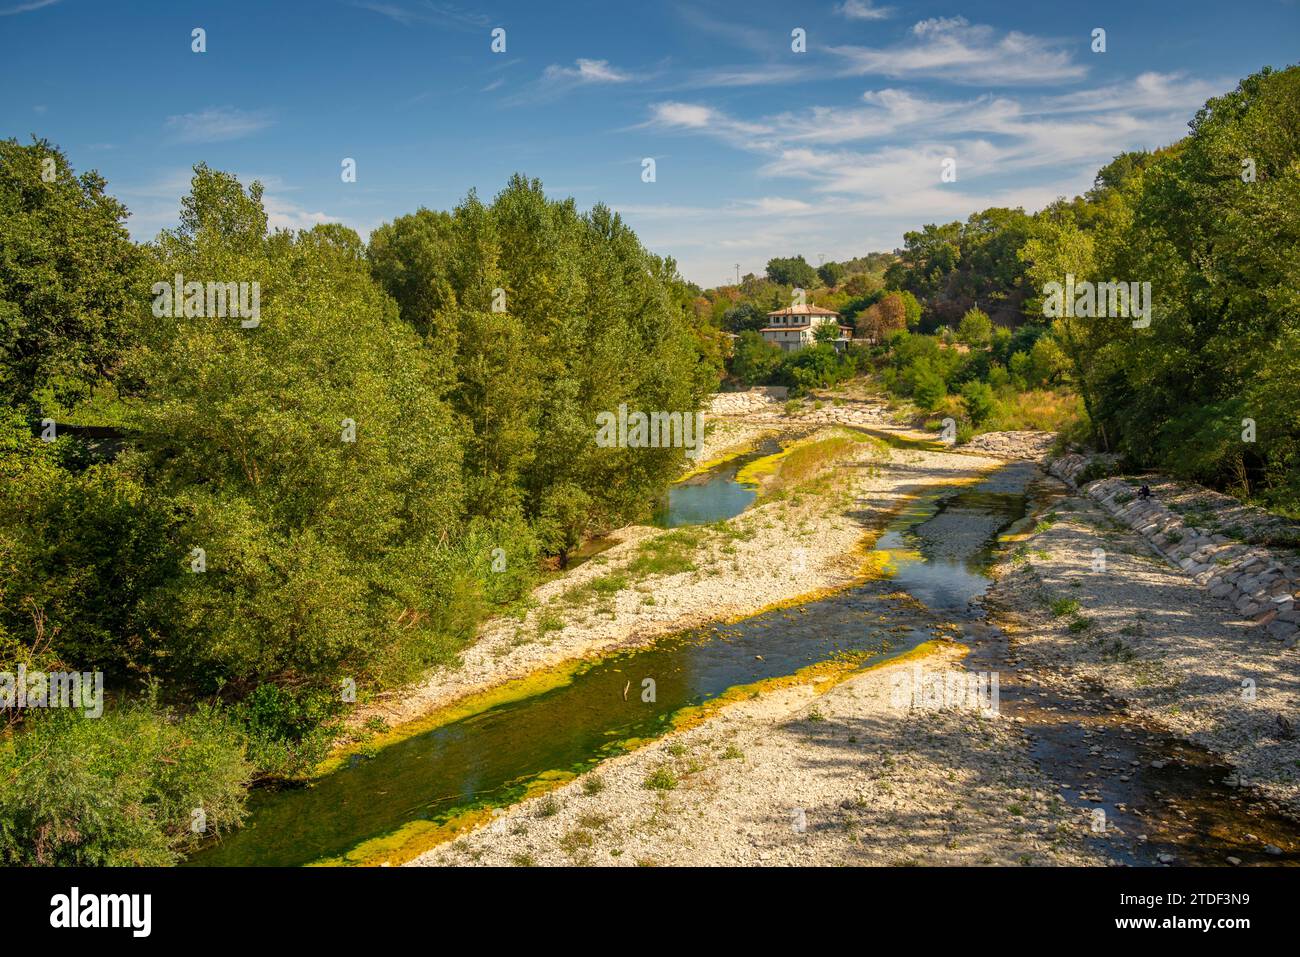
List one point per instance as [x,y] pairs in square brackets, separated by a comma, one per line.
[855,177]
[693,116]
[587,71]
[731,76]
[766,205]
[27,7]
[437,14]
[954,49]
[557,80]
[863,10]
[217,124]
[282,214]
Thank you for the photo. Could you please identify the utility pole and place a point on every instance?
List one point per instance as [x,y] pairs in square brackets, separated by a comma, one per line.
[737,274]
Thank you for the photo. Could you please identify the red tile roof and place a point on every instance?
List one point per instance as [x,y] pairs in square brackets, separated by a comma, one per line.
[804,310]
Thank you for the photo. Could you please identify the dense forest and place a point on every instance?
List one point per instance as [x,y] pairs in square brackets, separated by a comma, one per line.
[288,511]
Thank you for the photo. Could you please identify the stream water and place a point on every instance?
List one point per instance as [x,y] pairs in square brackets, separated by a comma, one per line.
[712,496]
[937,551]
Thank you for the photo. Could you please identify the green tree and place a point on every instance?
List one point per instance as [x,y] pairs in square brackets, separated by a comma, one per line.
[975,329]
[316,464]
[70,280]
[792,271]
[831,273]
[754,359]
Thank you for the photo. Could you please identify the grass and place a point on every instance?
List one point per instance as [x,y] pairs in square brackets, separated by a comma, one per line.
[576,840]
[801,463]
[1043,410]
[548,622]
[669,554]
[1064,606]
[661,778]
[593,785]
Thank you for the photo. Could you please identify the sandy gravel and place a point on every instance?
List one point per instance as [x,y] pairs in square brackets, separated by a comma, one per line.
[1154,637]
[848,777]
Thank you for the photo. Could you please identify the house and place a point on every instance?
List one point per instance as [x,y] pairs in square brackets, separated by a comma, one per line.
[795,327]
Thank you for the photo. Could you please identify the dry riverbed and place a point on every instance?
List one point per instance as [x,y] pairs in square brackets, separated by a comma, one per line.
[794,777]
[1090,601]
[802,542]
[842,773]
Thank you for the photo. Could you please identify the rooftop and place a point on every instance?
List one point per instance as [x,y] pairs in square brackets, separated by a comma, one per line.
[804,311]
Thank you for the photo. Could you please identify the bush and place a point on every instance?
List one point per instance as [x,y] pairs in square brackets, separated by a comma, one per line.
[122,789]
[929,389]
[288,732]
[975,329]
[979,401]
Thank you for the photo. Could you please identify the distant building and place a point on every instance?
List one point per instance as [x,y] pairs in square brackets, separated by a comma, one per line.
[796,327]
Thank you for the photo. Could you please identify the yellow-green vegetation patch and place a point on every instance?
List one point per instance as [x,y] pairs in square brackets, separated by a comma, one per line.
[822,676]
[800,460]
[478,702]
[729,455]
[414,838]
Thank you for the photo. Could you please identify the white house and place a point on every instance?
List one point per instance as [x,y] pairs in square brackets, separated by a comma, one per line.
[796,327]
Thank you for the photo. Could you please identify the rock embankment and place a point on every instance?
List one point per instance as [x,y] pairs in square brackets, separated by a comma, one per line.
[1262,583]
[1027,445]
[747,403]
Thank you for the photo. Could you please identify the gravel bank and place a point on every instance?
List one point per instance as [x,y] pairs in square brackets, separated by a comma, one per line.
[1087,594]
[847,777]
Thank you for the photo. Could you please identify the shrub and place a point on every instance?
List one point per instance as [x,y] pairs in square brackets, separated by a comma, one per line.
[122,789]
[288,732]
[929,389]
[975,329]
[979,401]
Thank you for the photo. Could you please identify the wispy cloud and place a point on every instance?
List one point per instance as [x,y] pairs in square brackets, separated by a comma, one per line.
[27,7]
[586,71]
[741,76]
[672,115]
[863,10]
[952,48]
[557,80]
[282,214]
[439,14]
[217,124]
[734,32]
[875,164]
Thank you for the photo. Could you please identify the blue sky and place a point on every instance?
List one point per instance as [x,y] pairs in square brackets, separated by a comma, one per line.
[759,151]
